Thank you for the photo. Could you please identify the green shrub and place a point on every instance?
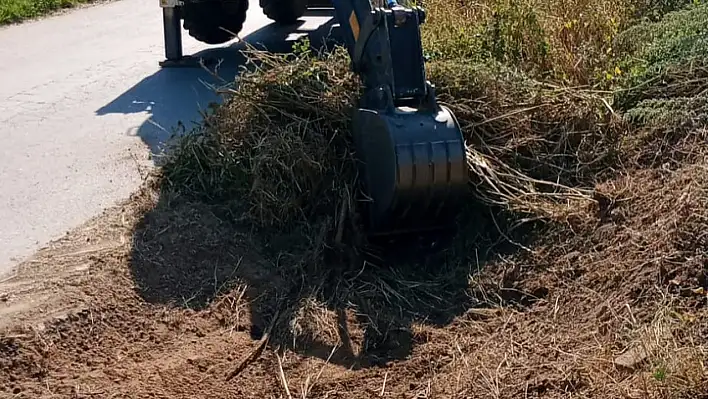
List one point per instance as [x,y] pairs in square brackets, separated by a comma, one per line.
[12,11]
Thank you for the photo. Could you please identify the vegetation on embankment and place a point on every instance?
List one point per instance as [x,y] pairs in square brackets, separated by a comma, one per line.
[13,11]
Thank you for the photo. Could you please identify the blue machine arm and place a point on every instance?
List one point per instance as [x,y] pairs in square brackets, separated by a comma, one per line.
[411,150]
[385,48]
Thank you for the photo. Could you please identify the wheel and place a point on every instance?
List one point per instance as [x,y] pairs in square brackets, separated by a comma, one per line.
[284,12]
[214,21]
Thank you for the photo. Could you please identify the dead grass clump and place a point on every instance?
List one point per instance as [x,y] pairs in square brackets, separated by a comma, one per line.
[314,322]
[551,133]
[281,141]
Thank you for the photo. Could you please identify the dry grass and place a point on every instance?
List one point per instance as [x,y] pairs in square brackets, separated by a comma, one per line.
[577,271]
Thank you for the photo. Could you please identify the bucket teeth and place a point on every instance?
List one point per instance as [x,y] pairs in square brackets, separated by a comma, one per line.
[413,166]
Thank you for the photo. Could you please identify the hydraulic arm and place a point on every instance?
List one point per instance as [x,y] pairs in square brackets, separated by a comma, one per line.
[411,148]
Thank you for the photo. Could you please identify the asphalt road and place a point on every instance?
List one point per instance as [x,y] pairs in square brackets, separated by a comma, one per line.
[85,109]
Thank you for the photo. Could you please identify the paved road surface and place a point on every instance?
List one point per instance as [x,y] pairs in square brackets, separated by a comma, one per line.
[83,106]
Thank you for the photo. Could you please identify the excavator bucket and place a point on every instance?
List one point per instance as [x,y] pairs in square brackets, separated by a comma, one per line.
[412,154]
[413,167]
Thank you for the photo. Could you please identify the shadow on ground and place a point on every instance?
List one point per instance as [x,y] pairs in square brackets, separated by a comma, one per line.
[355,311]
[174,98]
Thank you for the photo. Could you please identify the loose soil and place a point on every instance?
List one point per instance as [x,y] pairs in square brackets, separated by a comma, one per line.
[167,300]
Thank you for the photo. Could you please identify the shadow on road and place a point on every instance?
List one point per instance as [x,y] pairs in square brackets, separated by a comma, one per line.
[175,97]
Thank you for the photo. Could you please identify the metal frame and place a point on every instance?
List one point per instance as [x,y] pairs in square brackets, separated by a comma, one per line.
[171,22]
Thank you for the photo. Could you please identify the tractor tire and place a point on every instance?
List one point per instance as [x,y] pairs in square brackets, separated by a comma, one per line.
[284,12]
[214,21]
